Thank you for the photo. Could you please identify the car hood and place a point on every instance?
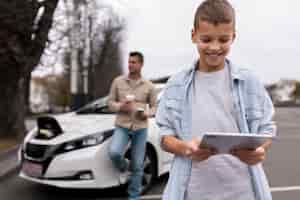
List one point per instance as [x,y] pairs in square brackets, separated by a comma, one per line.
[84,123]
[76,126]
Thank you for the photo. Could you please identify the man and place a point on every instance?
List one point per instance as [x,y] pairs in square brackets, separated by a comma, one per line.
[134,100]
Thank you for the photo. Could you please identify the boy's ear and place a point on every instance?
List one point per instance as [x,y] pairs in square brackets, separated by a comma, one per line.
[193,36]
[234,36]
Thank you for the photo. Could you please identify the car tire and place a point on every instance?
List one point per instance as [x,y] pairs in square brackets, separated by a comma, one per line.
[150,170]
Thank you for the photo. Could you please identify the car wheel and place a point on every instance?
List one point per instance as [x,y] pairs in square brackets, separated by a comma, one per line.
[149,169]
[149,174]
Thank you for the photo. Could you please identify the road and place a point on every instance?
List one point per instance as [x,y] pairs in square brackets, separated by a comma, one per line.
[282,167]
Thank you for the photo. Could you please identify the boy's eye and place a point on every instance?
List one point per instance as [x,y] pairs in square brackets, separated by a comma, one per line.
[224,40]
[205,40]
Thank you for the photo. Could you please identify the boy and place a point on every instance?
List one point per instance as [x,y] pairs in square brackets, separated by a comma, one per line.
[214,96]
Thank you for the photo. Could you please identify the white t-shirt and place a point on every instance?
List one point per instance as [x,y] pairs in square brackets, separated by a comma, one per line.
[221,177]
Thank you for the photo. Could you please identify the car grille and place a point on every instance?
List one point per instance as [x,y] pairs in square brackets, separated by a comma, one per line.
[35,150]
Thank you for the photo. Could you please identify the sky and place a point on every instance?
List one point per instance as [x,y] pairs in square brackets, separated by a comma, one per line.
[267,36]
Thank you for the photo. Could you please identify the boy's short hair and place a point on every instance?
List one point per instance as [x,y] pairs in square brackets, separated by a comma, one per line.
[137,54]
[215,12]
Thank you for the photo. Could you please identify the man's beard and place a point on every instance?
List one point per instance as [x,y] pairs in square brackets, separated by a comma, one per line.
[133,73]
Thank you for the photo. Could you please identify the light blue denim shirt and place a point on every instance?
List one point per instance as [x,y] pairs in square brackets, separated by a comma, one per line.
[254,111]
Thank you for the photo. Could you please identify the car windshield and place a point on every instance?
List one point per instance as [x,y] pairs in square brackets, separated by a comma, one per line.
[99,106]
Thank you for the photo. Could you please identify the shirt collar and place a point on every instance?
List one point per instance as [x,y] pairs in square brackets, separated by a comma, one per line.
[140,80]
[234,71]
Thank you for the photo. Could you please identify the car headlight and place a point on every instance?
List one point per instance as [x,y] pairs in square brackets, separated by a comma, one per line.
[87,141]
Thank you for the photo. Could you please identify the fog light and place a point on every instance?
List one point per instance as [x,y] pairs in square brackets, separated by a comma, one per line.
[69,147]
[86,176]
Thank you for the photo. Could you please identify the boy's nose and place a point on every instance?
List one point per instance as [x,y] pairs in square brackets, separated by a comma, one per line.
[214,46]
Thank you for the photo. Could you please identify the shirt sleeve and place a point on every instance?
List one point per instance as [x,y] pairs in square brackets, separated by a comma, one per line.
[152,101]
[113,103]
[163,120]
[267,125]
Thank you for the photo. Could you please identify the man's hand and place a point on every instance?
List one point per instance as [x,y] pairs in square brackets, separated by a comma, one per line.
[194,152]
[141,115]
[127,107]
[252,157]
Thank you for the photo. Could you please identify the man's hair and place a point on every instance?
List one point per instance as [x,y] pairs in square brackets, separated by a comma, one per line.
[215,12]
[137,54]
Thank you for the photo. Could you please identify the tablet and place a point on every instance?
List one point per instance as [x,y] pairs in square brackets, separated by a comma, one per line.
[224,142]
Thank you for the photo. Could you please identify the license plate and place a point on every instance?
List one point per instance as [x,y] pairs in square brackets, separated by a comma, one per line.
[32,169]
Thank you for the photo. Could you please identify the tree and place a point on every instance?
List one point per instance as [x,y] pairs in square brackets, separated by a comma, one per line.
[297,90]
[24,28]
[95,34]
[106,52]
[86,39]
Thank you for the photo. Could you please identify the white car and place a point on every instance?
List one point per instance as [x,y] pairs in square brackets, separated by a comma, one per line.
[71,150]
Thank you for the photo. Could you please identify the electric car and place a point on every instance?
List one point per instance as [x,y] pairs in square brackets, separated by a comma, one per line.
[71,150]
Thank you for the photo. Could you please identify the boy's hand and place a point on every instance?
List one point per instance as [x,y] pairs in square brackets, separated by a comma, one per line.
[194,152]
[252,157]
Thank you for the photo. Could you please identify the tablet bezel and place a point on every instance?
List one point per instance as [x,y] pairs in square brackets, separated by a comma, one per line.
[224,142]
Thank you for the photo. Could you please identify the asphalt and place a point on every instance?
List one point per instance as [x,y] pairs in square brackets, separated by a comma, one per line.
[9,158]
[8,161]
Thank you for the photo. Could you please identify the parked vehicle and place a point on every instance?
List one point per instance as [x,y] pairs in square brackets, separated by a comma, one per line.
[71,150]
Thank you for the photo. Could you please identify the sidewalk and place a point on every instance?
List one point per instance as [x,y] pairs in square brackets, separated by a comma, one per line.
[8,161]
[9,152]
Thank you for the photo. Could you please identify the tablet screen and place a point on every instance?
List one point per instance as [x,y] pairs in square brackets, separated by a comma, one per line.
[224,142]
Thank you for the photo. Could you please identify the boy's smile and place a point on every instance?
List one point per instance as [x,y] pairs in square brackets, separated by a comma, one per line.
[213,44]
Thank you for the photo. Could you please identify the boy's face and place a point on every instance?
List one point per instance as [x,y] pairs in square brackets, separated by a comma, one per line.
[213,44]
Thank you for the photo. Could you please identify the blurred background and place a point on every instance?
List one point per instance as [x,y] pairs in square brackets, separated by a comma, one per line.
[58,55]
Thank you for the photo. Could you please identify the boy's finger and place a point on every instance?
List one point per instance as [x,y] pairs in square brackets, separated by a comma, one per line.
[245,151]
[260,150]
[197,141]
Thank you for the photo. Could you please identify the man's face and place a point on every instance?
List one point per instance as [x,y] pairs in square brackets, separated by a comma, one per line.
[134,65]
[213,43]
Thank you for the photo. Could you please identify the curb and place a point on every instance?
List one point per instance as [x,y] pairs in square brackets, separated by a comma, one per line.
[8,161]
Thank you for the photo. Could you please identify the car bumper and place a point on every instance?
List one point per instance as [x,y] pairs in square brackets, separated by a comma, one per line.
[64,184]
[62,169]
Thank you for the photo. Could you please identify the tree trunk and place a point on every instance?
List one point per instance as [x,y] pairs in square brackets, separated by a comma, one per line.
[108,67]
[12,112]
[23,36]
[27,80]
[11,85]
